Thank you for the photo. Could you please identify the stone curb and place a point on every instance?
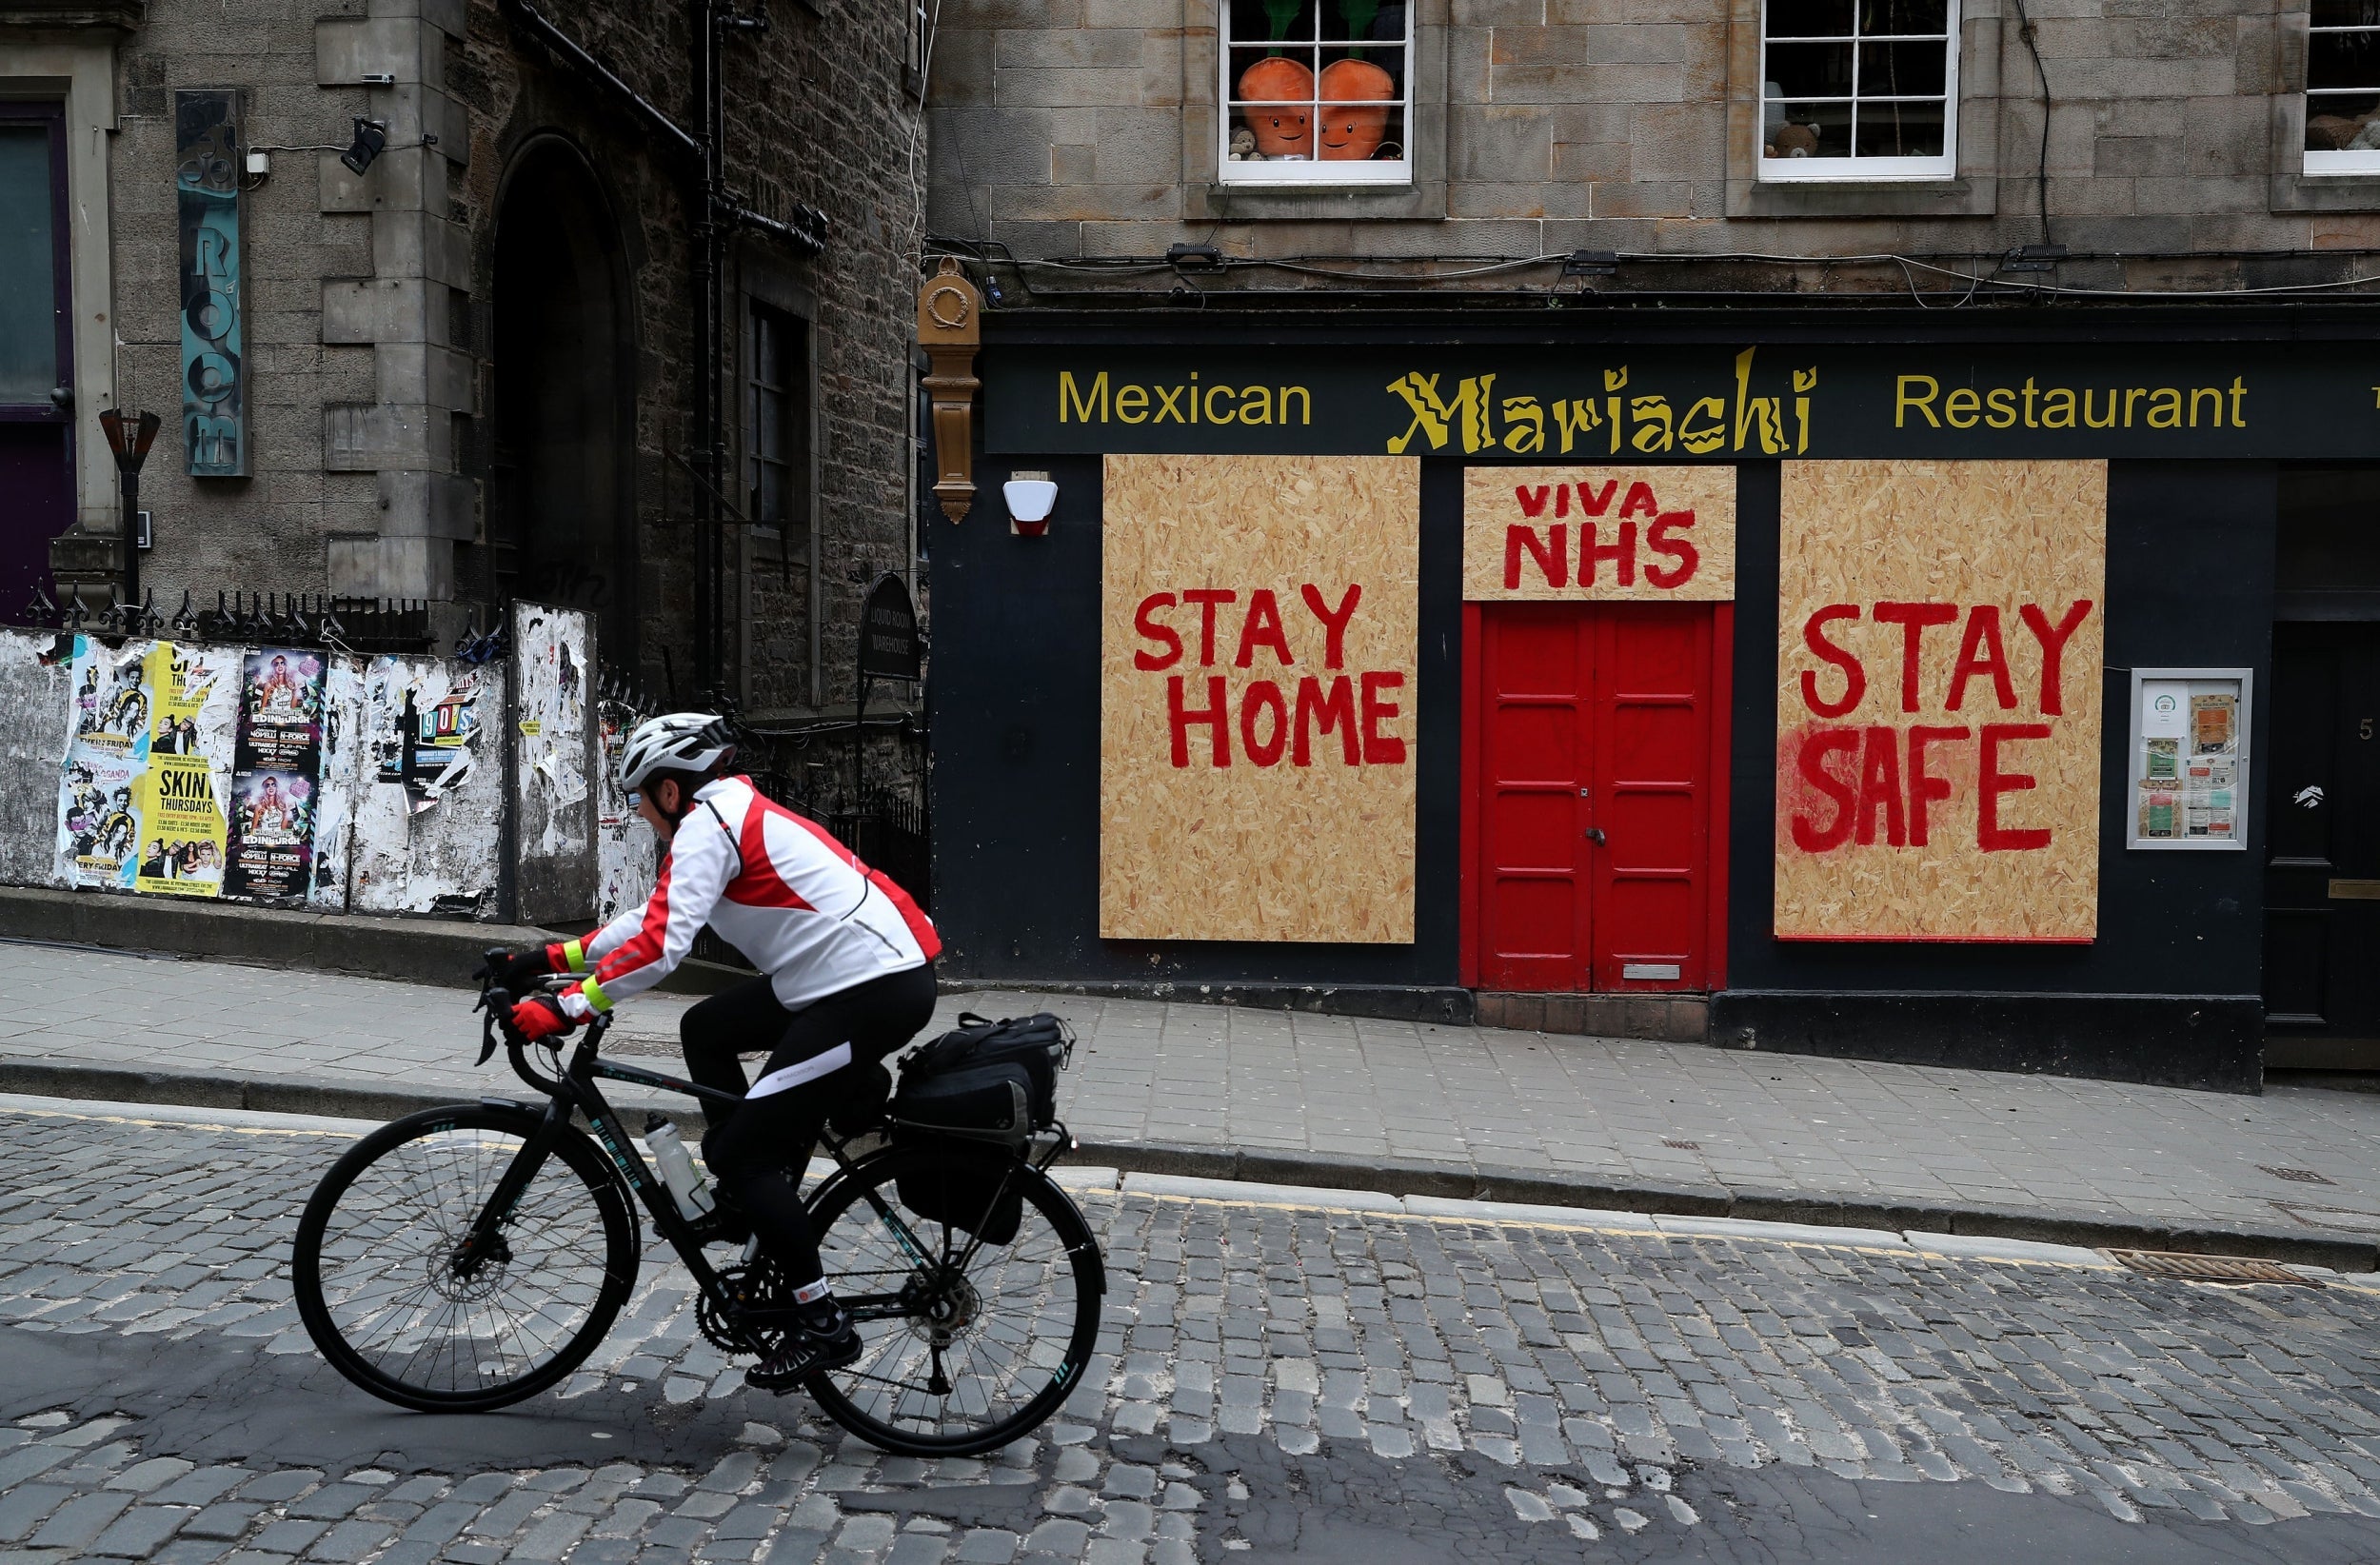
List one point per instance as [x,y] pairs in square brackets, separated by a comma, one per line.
[1584,1196]
[1428,1003]
[440,952]
[265,1094]
[1549,1189]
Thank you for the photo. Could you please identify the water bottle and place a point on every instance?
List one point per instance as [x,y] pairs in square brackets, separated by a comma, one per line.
[687,1185]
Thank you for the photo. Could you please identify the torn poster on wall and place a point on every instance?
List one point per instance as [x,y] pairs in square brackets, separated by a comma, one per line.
[141,804]
[33,691]
[429,825]
[554,870]
[342,772]
[551,648]
[626,857]
[276,772]
[429,749]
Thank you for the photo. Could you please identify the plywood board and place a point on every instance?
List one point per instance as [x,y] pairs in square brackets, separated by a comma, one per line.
[1257,721]
[1598,534]
[1940,642]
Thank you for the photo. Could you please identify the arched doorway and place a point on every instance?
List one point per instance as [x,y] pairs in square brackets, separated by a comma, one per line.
[561,519]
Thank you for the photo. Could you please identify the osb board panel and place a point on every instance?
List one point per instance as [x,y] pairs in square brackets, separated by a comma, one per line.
[1292,819]
[1913,708]
[1601,534]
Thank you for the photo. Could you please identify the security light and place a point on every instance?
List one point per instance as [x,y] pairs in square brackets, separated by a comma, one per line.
[371,139]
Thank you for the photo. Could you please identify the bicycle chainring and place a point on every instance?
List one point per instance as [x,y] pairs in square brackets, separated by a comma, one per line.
[757,1286]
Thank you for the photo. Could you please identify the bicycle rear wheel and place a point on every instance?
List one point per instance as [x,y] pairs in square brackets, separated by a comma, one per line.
[967,1345]
[375,1274]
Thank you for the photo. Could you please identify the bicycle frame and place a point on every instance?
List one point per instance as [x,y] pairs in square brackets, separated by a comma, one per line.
[573,1088]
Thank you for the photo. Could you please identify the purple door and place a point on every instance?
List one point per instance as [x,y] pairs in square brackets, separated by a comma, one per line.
[36,363]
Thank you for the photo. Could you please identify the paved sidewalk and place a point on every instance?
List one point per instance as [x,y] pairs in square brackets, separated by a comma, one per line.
[1362,1103]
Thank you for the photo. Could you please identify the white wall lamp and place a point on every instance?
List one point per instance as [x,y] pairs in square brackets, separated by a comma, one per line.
[1031,498]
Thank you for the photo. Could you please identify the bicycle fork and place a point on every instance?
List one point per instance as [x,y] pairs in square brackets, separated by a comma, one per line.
[483,1240]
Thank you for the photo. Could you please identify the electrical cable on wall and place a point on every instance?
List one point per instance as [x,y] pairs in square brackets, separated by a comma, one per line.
[2025,30]
[1971,281]
[916,245]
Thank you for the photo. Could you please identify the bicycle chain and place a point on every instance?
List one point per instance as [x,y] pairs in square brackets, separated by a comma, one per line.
[758,1286]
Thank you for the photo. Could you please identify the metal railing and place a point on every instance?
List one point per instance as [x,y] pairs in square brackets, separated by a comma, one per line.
[361,625]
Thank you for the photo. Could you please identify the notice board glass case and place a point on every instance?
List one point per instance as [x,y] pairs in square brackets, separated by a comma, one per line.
[2189,768]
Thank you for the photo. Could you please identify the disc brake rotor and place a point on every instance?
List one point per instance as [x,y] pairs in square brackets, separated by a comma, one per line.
[480,1283]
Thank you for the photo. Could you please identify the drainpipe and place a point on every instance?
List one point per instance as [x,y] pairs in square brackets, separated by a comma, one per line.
[708,582]
[805,231]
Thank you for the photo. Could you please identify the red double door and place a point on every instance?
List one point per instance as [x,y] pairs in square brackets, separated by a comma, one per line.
[1598,741]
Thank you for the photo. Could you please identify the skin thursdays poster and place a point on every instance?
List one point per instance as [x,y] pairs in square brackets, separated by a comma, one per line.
[182,823]
[141,804]
[1940,644]
[1257,718]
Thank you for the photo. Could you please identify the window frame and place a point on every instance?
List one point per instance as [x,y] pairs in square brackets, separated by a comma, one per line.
[2321,162]
[779,550]
[1306,173]
[793,394]
[1855,169]
[49,115]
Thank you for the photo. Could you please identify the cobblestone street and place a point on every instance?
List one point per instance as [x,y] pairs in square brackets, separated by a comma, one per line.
[1349,1100]
[1326,1377]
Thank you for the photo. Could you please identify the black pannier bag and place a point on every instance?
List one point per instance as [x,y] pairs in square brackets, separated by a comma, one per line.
[990,1081]
[977,1190]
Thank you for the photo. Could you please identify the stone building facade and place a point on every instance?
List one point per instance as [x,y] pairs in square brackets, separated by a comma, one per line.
[1649,375]
[474,369]
[2176,138]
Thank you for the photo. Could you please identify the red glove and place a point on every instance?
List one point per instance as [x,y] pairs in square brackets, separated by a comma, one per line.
[540,1018]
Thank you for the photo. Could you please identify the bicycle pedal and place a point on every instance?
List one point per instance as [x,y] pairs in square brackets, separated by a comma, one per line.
[802,1356]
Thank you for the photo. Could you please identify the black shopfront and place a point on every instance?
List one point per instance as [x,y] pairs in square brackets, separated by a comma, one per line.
[2239,536]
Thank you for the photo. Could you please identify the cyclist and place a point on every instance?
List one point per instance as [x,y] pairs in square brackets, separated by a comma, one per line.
[847,965]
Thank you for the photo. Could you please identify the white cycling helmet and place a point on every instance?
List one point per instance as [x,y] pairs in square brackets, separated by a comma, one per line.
[679,741]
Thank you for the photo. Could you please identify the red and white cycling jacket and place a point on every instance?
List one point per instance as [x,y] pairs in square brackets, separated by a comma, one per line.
[798,903]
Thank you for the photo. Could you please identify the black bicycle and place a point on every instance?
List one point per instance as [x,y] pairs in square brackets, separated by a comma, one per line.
[462,1259]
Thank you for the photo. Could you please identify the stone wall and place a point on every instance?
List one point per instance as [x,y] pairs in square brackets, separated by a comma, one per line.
[266,530]
[1082,128]
[368,319]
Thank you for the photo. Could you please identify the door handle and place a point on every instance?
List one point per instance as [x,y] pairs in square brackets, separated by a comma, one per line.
[1594,834]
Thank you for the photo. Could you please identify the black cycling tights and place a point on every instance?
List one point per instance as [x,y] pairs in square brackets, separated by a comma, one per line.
[818,1056]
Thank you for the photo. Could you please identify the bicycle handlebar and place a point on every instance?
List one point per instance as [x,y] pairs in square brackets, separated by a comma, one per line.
[496,1002]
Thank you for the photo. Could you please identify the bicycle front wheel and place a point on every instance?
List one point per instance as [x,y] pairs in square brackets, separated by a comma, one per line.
[380,1287]
[968,1343]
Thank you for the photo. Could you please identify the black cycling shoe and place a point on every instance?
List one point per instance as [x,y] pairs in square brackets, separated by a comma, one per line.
[804,1352]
